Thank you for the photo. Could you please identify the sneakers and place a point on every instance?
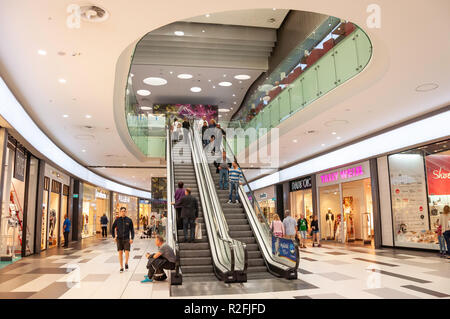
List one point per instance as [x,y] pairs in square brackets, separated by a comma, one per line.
[126,266]
[229,202]
[121,270]
[146,280]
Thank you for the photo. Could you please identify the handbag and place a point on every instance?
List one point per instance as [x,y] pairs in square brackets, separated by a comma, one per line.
[198,231]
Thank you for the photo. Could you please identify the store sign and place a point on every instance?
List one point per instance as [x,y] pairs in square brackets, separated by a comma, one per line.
[300,184]
[438,174]
[100,195]
[284,248]
[263,195]
[124,199]
[19,165]
[344,174]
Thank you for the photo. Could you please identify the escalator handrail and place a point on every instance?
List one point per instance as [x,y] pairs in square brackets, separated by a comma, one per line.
[254,201]
[170,208]
[218,216]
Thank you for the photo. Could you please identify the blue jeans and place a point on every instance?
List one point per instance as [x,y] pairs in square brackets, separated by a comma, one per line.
[446,235]
[223,182]
[234,186]
[441,244]
[191,223]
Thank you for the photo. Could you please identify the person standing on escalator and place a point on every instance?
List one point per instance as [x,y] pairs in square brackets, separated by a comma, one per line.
[123,225]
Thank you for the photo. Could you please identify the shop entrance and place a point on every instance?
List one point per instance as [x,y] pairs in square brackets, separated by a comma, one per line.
[302,204]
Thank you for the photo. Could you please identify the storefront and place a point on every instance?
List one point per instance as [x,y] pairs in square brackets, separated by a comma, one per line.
[18,216]
[420,194]
[96,203]
[55,205]
[345,204]
[301,198]
[266,200]
[130,203]
[145,209]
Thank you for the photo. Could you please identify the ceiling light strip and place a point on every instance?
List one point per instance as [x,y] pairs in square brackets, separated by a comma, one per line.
[418,132]
[15,115]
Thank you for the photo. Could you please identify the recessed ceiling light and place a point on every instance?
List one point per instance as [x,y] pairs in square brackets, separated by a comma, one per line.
[196,89]
[214,86]
[322,145]
[295,141]
[334,133]
[338,138]
[427,87]
[273,9]
[224,75]
[240,82]
[155,81]
[225,84]
[224,110]
[184,76]
[88,116]
[179,33]
[65,116]
[143,92]
[62,81]
[209,80]
[83,151]
[42,52]
[234,102]
[207,15]
[171,72]
[203,31]
[131,74]
[242,77]
[234,94]
[146,108]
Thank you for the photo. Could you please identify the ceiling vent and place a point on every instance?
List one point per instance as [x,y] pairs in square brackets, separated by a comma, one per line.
[93,13]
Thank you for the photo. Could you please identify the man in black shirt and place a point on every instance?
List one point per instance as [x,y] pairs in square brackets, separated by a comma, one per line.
[124,227]
[189,212]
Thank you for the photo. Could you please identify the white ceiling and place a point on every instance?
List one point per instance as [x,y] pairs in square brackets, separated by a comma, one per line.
[137,177]
[251,18]
[382,95]
[178,90]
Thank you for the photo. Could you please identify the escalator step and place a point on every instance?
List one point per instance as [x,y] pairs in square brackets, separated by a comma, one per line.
[199,261]
[196,253]
[197,269]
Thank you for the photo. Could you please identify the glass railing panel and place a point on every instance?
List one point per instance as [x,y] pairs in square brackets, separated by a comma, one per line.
[346,59]
[285,107]
[326,73]
[296,96]
[275,112]
[363,48]
[310,89]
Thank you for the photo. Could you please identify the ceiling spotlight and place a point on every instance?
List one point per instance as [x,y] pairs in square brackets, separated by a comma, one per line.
[295,141]
[65,116]
[338,138]
[196,89]
[224,75]
[225,84]
[83,151]
[209,80]
[322,145]
[224,110]
[234,94]
[334,133]
[42,52]
[214,86]
[242,77]
[179,33]
[131,74]
[143,92]
[184,76]
[240,82]
[155,81]
[62,81]
[234,102]
[273,9]
[203,31]
[171,72]
[146,108]
[207,15]
[88,116]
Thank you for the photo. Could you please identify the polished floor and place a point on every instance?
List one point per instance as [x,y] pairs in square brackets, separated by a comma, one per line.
[90,269]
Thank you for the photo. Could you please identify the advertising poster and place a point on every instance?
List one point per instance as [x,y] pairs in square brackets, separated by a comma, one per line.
[283,248]
[187,110]
[438,174]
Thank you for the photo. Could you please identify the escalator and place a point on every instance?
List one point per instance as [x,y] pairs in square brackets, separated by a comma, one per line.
[216,256]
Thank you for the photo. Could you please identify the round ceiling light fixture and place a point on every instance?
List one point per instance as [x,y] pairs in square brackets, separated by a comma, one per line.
[225,84]
[143,92]
[196,89]
[146,108]
[224,110]
[427,87]
[42,52]
[179,33]
[242,77]
[184,76]
[155,81]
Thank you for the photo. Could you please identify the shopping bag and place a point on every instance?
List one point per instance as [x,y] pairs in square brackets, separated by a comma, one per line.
[198,231]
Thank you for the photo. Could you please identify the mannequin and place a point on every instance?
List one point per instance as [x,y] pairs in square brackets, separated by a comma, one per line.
[329,218]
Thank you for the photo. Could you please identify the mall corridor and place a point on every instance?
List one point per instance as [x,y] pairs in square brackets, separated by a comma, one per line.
[90,270]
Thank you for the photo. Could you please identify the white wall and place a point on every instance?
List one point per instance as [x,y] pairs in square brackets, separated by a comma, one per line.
[385,202]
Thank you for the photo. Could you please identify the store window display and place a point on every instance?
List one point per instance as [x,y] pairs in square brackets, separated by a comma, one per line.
[420,190]
[330,217]
[130,203]
[96,203]
[145,209]
[54,213]
[44,213]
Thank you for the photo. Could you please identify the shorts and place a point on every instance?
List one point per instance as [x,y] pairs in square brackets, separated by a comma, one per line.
[123,244]
[315,231]
[303,234]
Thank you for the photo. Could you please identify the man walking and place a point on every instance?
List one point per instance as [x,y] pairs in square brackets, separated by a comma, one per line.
[223,167]
[290,225]
[66,228]
[189,212]
[124,227]
[235,177]
[104,223]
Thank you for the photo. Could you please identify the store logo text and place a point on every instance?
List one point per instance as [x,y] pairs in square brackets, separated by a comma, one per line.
[344,174]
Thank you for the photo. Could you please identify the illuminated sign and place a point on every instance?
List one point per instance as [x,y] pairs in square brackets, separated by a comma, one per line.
[300,184]
[100,195]
[342,174]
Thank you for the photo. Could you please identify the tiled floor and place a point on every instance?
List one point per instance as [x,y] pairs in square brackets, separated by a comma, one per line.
[90,269]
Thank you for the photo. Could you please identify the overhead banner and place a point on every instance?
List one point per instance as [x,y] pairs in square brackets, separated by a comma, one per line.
[438,174]
[284,248]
